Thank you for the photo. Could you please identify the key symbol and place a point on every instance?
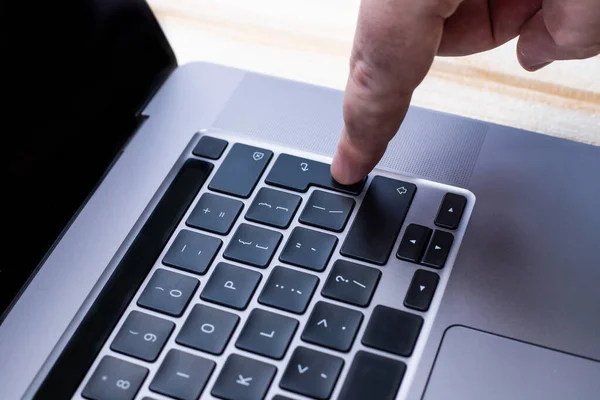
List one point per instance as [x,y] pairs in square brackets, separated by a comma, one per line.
[243,381]
[257,155]
[150,337]
[304,166]
[340,278]
[229,285]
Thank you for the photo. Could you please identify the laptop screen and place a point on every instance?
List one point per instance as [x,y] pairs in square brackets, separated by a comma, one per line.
[76,73]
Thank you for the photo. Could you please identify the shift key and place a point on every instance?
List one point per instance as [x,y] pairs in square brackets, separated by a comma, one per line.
[378,221]
[241,170]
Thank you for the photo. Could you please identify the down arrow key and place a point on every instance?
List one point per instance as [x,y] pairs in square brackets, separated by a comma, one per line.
[421,290]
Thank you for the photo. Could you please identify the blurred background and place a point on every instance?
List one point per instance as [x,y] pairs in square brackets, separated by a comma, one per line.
[310,41]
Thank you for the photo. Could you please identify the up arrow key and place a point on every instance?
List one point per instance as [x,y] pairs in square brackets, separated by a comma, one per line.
[450,210]
[421,287]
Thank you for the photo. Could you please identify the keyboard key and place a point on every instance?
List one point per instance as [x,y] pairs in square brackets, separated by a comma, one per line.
[115,379]
[373,377]
[253,245]
[392,330]
[273,207]
[421,290]
[267,334]
[278,397]
[210,147]
[288,290]
[311,373]
[379,220]
[243,379]
[215,214]
[308,249]
[241,170]
[332,326]
[231,286]
[413,243]
[327,211]
[168,292]
[182,375]
[192,252]
[142,336]
[295,173]
[438,249]
[351,283]
[207,329]
[451,211]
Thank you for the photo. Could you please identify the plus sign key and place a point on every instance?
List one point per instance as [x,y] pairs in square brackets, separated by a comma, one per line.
[215,214]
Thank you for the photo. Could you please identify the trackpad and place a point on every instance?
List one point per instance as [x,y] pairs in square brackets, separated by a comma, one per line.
[473,365]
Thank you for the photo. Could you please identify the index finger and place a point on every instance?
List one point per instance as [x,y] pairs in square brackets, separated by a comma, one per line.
[394,47]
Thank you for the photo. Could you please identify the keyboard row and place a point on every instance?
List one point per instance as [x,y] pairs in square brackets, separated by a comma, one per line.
[309,372]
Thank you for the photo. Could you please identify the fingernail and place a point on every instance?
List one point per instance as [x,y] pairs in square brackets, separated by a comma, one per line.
[344,171]
[539,66]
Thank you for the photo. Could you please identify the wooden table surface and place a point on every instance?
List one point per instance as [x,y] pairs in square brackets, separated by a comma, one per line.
[310,41]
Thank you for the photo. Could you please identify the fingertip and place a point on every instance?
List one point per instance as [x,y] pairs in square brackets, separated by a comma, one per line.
[345,170]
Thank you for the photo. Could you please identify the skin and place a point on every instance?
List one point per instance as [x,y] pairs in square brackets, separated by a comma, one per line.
[397,40]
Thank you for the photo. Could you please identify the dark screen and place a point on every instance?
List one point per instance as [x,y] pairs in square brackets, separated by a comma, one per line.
[74,76]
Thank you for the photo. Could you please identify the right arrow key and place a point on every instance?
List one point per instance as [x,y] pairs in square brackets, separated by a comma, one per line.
[421,290]
[438,249]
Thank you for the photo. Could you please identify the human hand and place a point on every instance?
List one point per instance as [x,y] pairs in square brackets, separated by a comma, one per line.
[396,41]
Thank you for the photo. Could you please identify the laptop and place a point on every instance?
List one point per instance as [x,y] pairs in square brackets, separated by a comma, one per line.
[178,235]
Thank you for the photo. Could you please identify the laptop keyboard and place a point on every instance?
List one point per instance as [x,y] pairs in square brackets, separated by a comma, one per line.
[281,283]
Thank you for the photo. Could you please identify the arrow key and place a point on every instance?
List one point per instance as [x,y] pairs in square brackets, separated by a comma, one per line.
[311,373]
[451,211]
[438,250]
[413,243]
[421,290]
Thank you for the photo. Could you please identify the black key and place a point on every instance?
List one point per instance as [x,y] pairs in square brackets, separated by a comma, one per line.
[210,147]
[438,249]
[182,375]
[243,379]
[278,397]
[267,334]
[378,221]
[193,252]
[413,243]
[311,373]
[273,207]
[241,170]
[288,290]
[295,173]
[351,283]
[451,211]
[142,336]
[332,326]
[327,211]
[421,290]
[168,292]
[308,249]
[207,329]
[253,245]
[392,330]
[373,377]
[231,286]
[115,379]
[215,214]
